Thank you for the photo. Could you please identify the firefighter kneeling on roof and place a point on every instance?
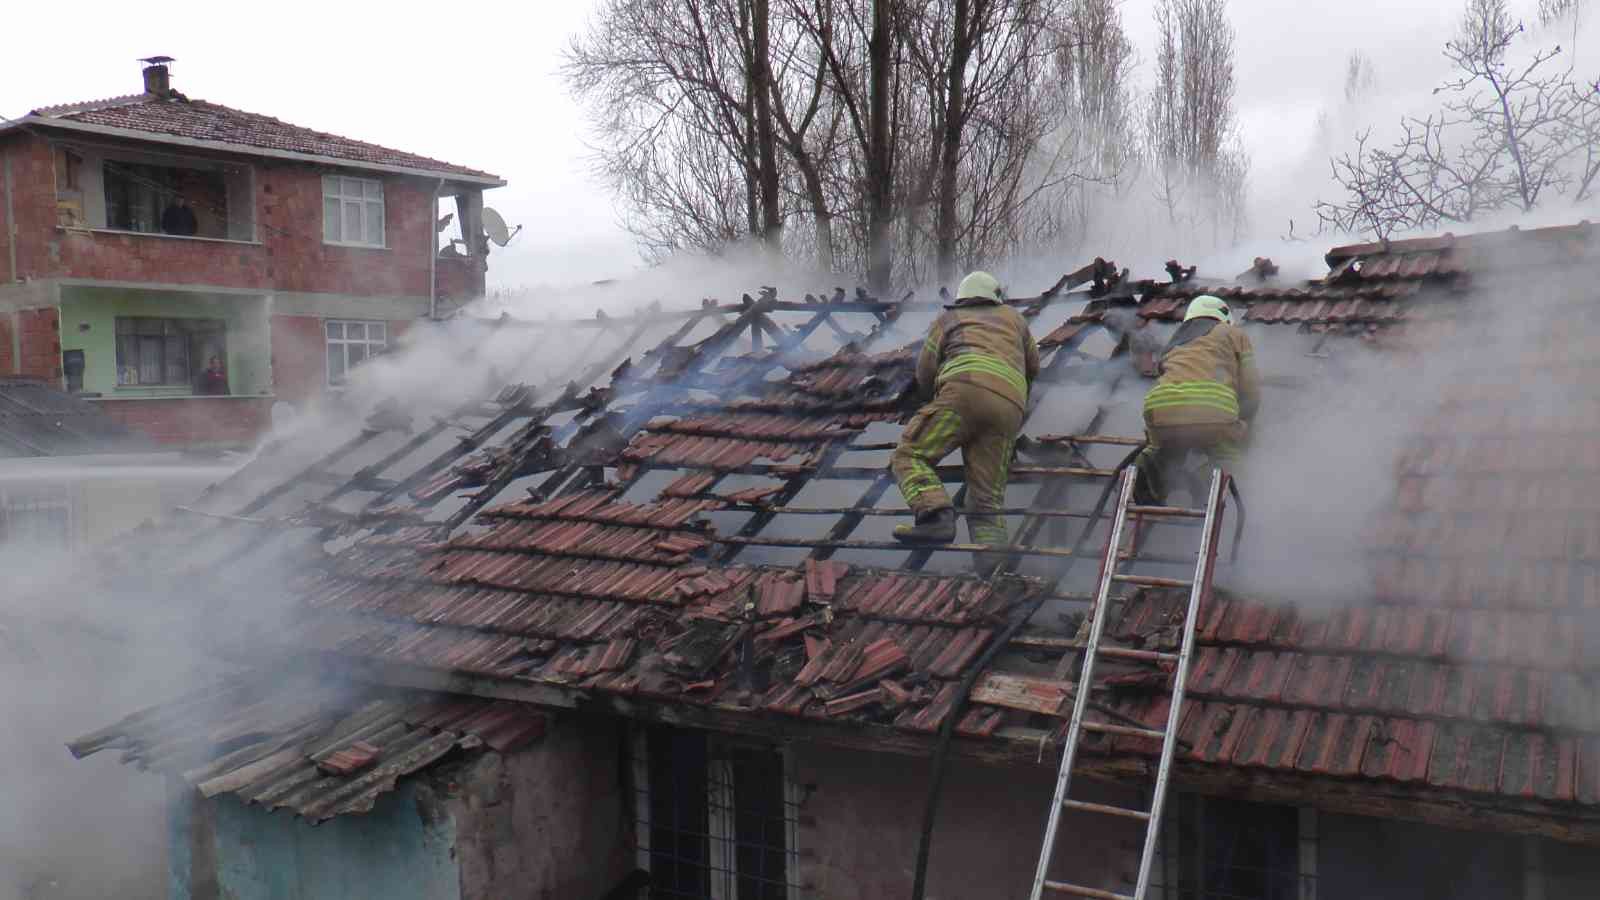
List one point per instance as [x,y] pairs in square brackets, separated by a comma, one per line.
[1206,396]
[976,366]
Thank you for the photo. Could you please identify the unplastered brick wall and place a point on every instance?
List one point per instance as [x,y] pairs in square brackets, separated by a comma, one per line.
[288,253]
[7,360]
[33,202]
[299,355]
[193,422]
[299,358]
[41,343]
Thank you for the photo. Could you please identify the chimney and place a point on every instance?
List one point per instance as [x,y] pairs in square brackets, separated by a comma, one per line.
[157,76]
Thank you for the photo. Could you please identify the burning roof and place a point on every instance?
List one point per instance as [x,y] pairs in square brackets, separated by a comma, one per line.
[651,562]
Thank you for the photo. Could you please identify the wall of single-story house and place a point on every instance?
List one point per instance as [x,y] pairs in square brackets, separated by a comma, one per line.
[544,822]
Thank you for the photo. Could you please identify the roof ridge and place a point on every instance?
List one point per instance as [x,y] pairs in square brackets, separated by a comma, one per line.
[325,134]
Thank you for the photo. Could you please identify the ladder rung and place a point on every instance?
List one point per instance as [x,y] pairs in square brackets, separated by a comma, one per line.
[1145,655]
[1177,511]
[1152,581]
[1077,891]
[1104,809]
[1124,730]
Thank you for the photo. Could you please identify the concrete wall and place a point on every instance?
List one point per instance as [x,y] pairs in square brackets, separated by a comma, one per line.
[392,852]
[288,252]
[860,819]
[545,823]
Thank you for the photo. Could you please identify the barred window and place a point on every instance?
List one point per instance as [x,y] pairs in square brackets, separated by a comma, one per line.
[715,819]
[1231,850]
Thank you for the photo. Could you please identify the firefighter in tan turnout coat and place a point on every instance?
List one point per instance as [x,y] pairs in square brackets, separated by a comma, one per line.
[976,366]
[1207,394]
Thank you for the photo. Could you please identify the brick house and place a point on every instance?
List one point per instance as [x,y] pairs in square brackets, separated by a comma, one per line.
[146,236]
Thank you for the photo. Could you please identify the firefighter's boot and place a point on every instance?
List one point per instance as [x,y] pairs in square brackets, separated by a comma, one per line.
[936,526]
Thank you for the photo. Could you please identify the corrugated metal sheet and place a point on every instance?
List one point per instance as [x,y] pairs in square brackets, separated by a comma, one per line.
[38,420]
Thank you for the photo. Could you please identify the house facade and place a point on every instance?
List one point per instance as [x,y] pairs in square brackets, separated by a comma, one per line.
[186,265]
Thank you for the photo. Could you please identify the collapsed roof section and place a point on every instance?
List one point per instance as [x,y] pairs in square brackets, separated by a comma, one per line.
[317,749]
[674,544]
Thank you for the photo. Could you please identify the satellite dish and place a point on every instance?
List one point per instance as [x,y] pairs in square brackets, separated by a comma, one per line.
[495,227]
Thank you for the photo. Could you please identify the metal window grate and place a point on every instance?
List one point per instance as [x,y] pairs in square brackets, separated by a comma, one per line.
[36,517]
[714,820]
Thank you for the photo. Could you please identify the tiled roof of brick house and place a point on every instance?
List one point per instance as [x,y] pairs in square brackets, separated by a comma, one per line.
[176,117]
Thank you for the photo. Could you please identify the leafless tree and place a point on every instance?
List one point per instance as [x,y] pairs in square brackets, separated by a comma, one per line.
[1507,134]
[1556,11]
[672,87]
[1360,81]
[1089,152]
[896,135]
[1190,134]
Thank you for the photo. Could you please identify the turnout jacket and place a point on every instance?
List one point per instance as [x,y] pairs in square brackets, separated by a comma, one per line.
[982,343]
[1208,376]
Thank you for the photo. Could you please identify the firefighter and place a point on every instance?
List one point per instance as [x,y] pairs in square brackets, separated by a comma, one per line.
[973,373]
[1207,393]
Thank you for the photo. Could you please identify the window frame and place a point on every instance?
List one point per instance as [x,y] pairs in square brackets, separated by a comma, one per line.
[185,328]
[722,845]
[364,201]
[344,342]
[51,503]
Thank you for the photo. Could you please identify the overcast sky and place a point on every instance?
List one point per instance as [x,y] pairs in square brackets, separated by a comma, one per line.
[478,85]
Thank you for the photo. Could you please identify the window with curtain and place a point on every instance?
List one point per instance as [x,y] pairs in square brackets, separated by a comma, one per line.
[352,211]
[155,351]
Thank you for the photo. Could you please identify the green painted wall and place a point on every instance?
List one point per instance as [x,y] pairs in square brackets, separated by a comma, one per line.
[389,853]
[89,323]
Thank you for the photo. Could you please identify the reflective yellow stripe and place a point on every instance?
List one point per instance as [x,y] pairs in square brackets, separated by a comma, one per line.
[1193,393]
[981,363]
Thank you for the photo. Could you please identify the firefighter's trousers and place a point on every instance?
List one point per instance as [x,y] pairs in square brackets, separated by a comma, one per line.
[984,426]
[1166,444]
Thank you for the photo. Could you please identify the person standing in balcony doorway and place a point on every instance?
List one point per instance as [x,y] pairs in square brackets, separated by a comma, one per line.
[178,218]
[214,380]
[974,372]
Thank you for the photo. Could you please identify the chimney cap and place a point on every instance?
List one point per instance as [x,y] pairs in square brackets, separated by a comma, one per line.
[157,60]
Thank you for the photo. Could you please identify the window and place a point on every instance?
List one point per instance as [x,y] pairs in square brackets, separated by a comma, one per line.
[352,211]
[352,343]
[1230,850]
[174,200]
[38,517]
[715,819]
[154,352]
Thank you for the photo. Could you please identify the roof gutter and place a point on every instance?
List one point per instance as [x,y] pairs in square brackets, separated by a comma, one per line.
[11,219]
[247,150]
[433,252]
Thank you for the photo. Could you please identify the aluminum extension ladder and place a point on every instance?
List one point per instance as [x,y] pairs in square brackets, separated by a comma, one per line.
[1199,588]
